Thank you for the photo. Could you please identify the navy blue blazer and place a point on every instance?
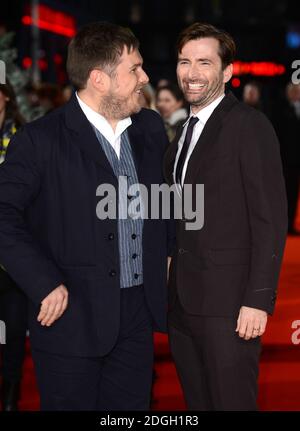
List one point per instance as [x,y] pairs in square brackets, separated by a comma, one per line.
[50,234]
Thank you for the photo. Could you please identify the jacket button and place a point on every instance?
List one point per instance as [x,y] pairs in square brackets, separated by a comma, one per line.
[134,256]
[136,276]
[133,236]
[112,273]
[111,236]
[182,250]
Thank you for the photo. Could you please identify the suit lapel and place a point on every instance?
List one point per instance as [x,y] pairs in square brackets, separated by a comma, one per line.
[137,141]
[205,146]
[207,142]
[84,136]
[170,156]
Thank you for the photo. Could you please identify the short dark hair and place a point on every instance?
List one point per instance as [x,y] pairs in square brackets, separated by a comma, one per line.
[198,30]
[98,44]
[173,89]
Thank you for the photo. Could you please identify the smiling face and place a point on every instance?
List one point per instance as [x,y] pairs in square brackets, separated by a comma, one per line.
[122,96]
[199,72]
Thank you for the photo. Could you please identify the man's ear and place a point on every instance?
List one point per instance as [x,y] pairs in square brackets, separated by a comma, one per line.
[98,78]
[227,73]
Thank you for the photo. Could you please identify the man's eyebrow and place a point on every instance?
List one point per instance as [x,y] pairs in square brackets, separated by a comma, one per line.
[198,59]
[139,63]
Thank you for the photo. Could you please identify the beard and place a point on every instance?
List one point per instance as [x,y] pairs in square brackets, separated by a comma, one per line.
[211,92]
[119,108]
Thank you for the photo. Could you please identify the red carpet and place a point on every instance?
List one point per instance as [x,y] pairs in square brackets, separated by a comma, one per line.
[279,381]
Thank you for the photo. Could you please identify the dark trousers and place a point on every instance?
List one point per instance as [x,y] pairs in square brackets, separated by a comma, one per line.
[121,380]
[13,311]
[217,369]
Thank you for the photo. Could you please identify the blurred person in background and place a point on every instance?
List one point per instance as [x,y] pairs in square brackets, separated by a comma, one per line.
[32,96]
[170,105]
[162,83]
[50,96]
[67,92]
[252,95]
[287,125]
[13,303]
[147,97]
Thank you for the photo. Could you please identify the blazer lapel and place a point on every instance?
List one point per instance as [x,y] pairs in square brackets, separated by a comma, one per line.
[138,142]
[84,136]
[170,156]
[208,138]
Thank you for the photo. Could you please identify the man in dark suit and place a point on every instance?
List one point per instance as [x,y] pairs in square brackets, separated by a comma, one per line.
[95,298]
[223,277]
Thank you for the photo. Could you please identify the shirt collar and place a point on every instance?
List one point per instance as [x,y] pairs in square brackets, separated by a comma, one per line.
[102,124]
[204,114]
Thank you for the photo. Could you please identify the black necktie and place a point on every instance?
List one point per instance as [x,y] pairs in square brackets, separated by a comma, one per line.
[185,147]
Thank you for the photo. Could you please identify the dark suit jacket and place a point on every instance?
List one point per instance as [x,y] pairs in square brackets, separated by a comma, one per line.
[235,258]
[6,282]
[49,232]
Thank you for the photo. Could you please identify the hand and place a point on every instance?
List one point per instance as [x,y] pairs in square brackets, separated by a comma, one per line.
[53,306]
[251,322]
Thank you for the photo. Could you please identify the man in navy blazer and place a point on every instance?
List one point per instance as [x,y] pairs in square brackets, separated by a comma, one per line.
[97,287]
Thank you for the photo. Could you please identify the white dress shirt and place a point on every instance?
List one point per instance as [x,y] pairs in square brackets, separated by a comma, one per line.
[203,116]
[101,124]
